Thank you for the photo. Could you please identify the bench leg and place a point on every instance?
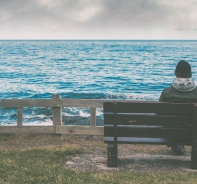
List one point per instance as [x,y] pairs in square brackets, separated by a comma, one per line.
[194,156]
[194,141]
[112,155]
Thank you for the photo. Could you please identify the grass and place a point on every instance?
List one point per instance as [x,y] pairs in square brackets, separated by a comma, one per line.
[41,159]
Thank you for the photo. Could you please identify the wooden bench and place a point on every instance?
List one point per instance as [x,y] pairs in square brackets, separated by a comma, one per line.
[143,122]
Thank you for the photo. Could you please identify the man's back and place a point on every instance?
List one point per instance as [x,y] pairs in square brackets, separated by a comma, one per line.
[171,94]
[183,90]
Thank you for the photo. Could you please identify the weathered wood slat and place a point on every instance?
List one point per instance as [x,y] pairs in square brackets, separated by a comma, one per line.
[57,115]
[57,111]
[150,132]
[27,130]
[26,103]
[150,119]
[67,102]
[79,130]
[154,107]
[93,116]
[20,116]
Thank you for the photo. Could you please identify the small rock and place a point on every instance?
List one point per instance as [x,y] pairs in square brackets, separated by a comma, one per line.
[70,163]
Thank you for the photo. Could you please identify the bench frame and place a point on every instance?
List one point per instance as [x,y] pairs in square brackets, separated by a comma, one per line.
[143,122]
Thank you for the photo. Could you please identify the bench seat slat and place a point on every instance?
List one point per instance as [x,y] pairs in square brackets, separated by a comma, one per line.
[137,140]
[150,119]
[154,132]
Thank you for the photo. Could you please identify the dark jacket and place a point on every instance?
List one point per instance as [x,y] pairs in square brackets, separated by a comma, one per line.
[171,94]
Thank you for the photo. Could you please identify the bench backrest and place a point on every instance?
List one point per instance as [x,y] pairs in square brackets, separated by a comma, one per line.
[148,122]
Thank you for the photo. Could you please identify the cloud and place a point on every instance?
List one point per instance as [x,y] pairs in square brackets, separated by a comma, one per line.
[88,19]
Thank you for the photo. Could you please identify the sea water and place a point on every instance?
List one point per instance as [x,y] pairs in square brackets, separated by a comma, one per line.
[93,69]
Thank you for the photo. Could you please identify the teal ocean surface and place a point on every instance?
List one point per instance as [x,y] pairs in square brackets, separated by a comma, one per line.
[134,70]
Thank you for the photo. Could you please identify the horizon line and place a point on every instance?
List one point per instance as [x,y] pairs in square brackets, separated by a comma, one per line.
[98,39]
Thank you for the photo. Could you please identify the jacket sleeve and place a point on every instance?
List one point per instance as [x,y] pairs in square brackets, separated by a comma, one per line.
[162,97]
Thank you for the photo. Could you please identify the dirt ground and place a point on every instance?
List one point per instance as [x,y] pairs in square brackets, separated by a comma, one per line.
[132,158]
[146,158]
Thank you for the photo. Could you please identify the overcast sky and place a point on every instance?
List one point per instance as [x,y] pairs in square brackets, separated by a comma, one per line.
[98,19]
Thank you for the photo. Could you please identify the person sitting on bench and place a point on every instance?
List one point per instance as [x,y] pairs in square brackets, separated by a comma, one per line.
[183,90]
